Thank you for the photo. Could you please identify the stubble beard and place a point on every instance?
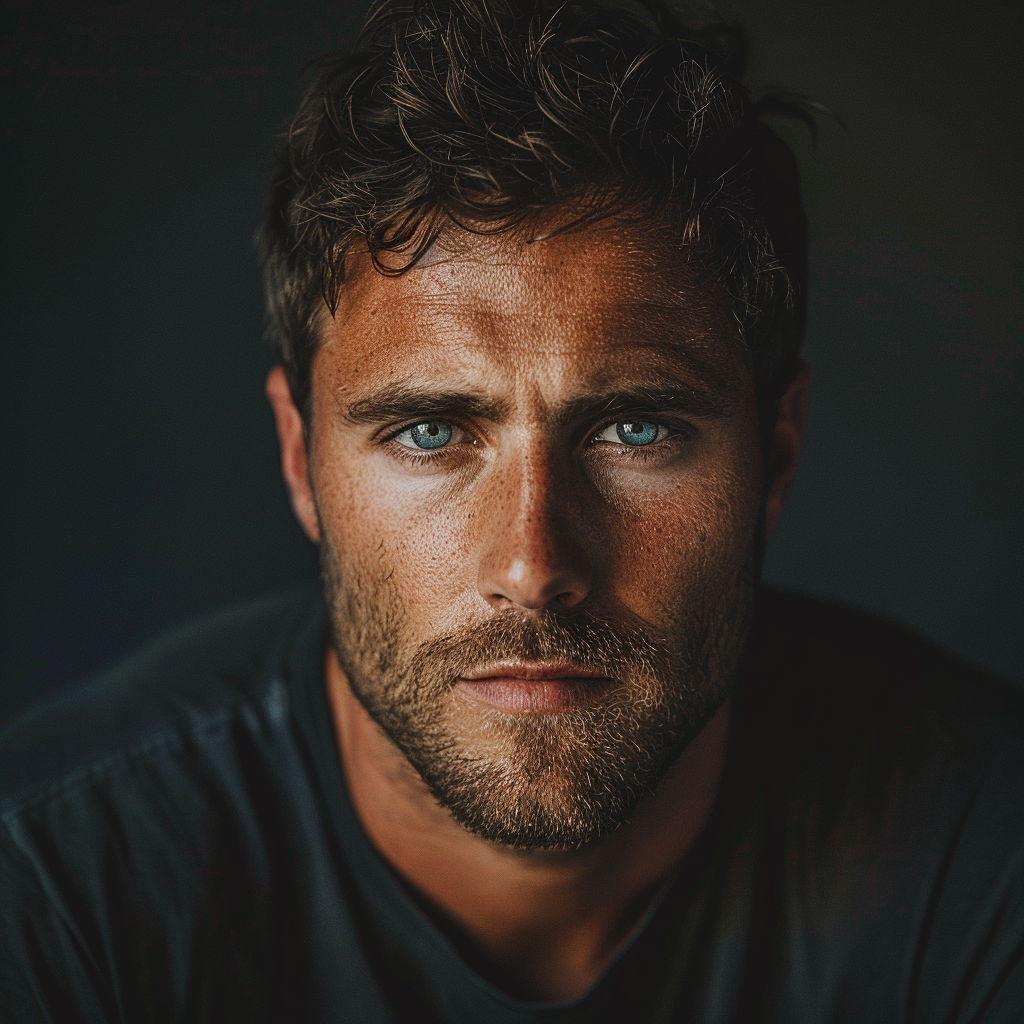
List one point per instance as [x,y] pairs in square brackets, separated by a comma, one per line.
[538,781]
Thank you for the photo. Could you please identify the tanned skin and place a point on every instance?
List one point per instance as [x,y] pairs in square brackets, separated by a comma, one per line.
[538,506]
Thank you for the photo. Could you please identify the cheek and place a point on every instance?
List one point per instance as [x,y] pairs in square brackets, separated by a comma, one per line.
[688,538]
[387,531]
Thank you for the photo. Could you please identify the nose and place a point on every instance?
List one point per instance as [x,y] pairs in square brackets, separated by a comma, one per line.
[533,554]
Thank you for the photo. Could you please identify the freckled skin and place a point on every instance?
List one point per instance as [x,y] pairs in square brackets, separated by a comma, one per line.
[519,325]
[535,512]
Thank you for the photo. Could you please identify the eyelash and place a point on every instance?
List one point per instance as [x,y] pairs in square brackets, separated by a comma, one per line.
[638,454]
[421,455]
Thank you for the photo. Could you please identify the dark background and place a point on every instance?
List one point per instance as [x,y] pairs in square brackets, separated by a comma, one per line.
[139,471]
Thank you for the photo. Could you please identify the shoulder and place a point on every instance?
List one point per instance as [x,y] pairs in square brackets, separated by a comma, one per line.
[187,678]
[146,815]
[893,775]
[844,676]
[878,740]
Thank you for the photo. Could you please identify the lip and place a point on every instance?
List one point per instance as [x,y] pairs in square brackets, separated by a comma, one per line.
[538,671]
[534,688]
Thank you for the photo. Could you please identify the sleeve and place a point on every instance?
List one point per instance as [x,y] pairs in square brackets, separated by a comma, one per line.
[46,973]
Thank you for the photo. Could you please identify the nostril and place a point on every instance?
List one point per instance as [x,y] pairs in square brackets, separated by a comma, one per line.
[570,598]
[536,582]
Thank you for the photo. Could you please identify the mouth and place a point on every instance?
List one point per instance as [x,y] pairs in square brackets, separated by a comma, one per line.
[526,688]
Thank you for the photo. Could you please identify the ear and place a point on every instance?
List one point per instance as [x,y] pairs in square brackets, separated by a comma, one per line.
[294,463]
[785,444]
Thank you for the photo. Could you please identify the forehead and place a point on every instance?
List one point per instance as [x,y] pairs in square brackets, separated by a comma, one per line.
[593,303]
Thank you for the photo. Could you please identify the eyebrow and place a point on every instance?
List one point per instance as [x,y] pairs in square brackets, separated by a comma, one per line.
[699,400]
[401,400]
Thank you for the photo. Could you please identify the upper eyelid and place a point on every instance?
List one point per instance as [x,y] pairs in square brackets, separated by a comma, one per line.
[659,418]
[671,432]
[393,435]
[625,417]
[390,433]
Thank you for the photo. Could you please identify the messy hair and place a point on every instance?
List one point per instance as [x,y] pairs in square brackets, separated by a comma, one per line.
[541,115]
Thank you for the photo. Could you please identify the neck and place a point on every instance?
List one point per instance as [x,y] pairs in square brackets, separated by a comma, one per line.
[544,925]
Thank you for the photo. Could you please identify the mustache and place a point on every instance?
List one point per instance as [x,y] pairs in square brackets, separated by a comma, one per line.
[583,639]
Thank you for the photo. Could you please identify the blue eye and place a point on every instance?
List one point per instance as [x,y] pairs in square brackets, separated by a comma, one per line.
[636,432]
[432,434]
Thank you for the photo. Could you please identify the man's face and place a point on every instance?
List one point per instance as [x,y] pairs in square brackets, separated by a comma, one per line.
[538,483]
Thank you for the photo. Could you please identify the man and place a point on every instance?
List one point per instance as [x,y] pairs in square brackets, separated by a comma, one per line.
[542,750]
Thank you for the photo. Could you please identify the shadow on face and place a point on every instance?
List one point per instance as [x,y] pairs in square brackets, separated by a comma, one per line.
[525,461]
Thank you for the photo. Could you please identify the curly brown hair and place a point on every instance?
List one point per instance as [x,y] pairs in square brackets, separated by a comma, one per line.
[495,114]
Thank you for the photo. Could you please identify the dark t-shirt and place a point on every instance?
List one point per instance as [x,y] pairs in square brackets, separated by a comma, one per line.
[177,845]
